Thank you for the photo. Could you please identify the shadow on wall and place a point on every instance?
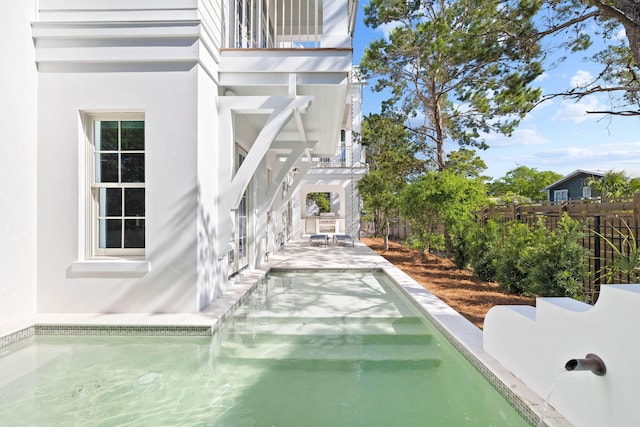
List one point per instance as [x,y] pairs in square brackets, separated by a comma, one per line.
[210,271]
[172,274]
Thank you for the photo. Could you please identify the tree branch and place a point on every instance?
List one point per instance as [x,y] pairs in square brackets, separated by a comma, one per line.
[568,24]
[613,12]
[626,113]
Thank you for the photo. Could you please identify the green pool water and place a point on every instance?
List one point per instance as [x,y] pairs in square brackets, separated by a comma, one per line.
[305,349]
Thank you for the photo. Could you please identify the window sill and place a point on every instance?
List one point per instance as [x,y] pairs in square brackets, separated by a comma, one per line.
[109,268]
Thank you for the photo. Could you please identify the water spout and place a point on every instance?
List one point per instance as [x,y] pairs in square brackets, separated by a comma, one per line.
[591,362]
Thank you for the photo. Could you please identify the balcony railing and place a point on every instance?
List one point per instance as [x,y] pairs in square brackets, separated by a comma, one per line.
[346,157]
[272,24]
[276,24]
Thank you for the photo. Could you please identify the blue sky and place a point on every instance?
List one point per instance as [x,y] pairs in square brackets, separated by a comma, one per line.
[558,135]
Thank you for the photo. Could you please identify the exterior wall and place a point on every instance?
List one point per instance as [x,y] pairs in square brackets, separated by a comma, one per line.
[18,86]
[169,101]
[536,343]
[574,187]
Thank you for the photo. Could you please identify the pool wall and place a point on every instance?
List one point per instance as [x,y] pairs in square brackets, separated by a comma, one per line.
[536,343]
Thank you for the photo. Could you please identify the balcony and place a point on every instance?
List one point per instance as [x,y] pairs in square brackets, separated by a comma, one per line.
[347,157]
[133,32]
[276,24]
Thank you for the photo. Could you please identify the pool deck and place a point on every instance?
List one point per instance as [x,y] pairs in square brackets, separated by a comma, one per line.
[302,255]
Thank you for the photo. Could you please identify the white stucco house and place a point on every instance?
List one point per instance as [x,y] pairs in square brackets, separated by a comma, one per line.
[154,148]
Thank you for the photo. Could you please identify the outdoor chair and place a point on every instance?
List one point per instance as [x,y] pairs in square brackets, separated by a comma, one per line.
[319,239]
[344,239]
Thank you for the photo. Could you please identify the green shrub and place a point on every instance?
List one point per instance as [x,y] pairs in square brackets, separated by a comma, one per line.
[559,264]
[322,200]
[516,256]
[531,259]
[484,243]
[427,242]
[459,243]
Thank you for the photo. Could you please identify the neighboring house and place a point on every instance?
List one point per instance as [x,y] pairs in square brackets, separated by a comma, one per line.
[153,149]
[573,187]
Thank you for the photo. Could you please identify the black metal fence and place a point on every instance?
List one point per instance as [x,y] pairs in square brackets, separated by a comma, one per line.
[611,230]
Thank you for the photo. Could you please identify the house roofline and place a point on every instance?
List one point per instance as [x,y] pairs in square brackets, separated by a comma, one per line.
[572,175]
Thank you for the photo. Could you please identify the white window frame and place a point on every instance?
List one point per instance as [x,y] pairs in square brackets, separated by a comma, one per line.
[92,247]
[238,257]
[560,195]
[586,192]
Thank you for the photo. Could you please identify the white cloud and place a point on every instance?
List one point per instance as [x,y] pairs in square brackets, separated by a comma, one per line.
[576,112]
[388,27]
[519,138]
[569,153]
[581,79]
[542,77]
[602,157]
[620,155]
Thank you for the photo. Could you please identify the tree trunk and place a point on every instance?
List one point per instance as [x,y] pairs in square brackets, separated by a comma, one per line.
[376,223]
[632,27]
[386,232]
[439,127]
[627,12]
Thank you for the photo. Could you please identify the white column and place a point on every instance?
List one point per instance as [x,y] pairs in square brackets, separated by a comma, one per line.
[335,24]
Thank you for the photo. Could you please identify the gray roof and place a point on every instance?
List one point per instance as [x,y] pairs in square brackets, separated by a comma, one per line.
[573,175]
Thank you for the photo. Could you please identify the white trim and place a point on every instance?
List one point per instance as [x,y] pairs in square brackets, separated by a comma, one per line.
[109,268]
[561,193]
[88,238]
[281,110]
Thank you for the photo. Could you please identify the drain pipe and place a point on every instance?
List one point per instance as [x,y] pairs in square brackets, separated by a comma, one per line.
[591,362]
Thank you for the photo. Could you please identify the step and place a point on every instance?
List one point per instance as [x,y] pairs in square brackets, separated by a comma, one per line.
[327,348]
[250,339]
[312,366]
[325,325]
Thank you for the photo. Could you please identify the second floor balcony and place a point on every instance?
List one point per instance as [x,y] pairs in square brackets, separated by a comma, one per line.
[171,27]
[274,24]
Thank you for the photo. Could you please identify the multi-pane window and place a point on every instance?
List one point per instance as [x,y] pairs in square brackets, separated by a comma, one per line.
[118,187]
[560,195]
[242,221]
[238,255]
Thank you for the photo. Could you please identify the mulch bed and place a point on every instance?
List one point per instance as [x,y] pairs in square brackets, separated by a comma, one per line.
[469,296]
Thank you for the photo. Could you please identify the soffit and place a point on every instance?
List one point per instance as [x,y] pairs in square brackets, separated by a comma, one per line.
[326,115]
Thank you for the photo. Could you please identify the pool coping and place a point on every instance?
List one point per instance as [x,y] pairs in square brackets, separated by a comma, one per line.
[463,334]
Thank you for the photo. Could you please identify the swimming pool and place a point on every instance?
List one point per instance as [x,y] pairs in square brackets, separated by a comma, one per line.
[317,348]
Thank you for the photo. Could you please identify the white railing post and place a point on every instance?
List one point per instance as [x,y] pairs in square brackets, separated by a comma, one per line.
[316,40]
[276,23]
